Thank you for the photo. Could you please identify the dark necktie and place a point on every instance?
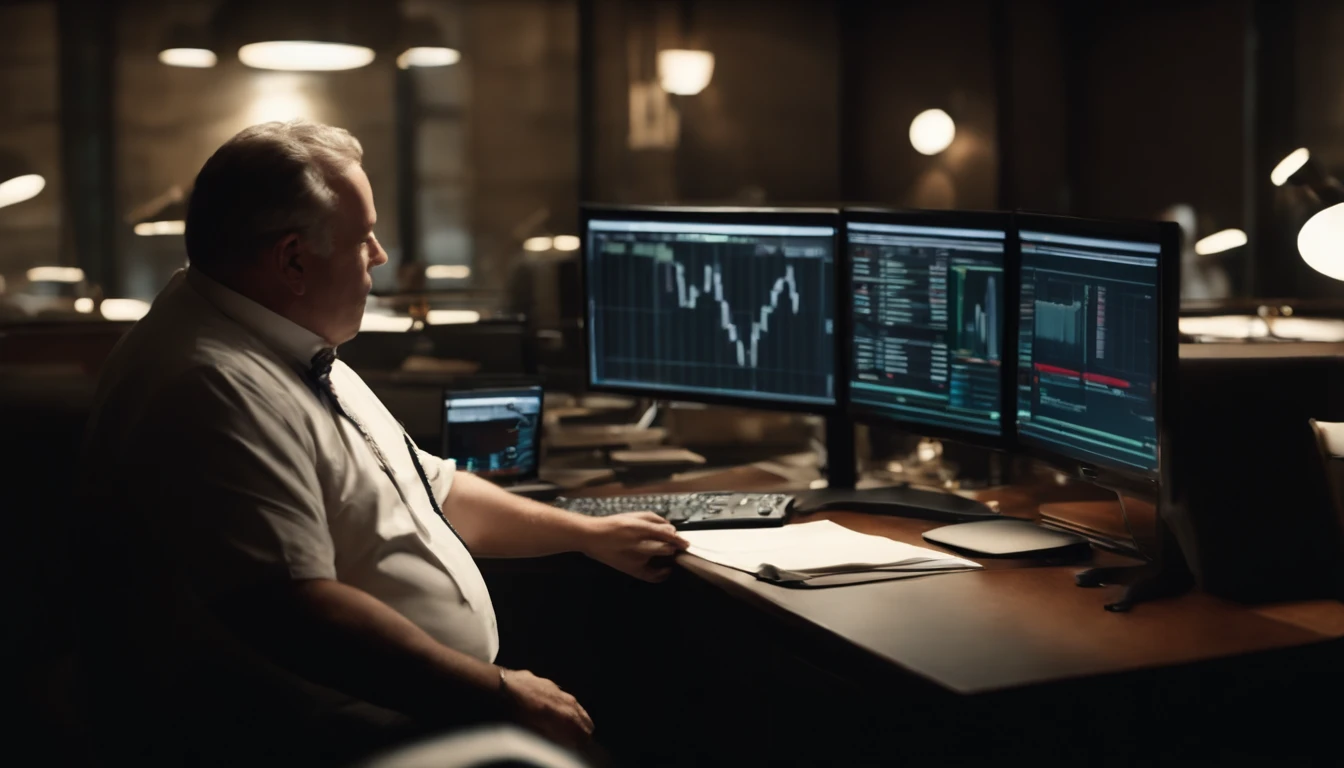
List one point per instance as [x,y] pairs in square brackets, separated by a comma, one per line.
[320,372]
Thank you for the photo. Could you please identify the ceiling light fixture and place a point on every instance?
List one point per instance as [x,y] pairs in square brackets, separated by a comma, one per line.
[422,44]
[187,45]
[304,56]
[191,58]
[306,35]
[565,243]
[683,71]
[932,131]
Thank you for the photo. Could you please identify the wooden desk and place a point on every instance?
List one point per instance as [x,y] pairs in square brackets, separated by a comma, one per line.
[1010,625]
[717,668]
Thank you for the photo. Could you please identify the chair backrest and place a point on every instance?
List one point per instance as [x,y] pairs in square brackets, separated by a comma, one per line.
[493,746]
[1330,444]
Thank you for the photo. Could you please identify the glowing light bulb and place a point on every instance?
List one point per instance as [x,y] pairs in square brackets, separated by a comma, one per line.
[538,244]
[426,56]
[685,72]
[195,58]
[21,188]
[1289,165]
[932,131]
[304,56]
[1218,242]
[566,243]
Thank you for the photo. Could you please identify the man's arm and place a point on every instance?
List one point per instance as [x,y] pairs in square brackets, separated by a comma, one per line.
[232,491]
[496,523]
[341,637]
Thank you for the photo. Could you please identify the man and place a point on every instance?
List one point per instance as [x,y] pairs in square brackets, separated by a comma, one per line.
[281,496]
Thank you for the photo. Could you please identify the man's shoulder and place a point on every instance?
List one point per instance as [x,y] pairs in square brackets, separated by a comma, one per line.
[175,354]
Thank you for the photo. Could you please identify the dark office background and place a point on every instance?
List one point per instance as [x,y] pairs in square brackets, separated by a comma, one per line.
[1105,108]
[1095,109]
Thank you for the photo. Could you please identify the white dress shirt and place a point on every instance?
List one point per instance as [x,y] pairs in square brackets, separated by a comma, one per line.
[208,420]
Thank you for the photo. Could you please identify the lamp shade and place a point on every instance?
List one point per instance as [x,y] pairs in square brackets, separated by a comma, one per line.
[683,71]
[932,131]
[18,179]
[164,215]
[306,35]
[1321,242]
[422,43]
[1302,169]
[188,45]
[1218,242]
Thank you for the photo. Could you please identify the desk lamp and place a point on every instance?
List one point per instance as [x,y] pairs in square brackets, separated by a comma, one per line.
[18,182]
[1321,240]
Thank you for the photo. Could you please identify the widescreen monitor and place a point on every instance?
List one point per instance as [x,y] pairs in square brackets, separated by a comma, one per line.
[929,329]
[713,304]
[1097,342]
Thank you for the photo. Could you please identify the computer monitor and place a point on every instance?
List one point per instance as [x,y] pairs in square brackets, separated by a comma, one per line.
[495,433]
[1098,346]
[929,333]
[724,305]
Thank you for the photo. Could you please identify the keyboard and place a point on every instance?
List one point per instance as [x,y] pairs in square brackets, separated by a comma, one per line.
[692,511]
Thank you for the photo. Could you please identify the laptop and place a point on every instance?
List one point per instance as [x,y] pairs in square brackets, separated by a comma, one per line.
[496,433]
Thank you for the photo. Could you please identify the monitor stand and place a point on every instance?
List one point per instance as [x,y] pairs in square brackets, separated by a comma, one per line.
[1164,575]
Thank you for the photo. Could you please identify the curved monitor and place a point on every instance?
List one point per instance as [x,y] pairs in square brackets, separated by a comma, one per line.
[729,305]
[929,327]
[1098,345]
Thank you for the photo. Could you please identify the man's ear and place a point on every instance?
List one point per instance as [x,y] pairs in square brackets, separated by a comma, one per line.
[288,257]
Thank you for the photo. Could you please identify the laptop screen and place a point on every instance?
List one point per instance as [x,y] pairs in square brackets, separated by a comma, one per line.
[494,433]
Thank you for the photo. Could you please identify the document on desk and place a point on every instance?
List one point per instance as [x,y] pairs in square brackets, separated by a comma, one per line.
[821,553]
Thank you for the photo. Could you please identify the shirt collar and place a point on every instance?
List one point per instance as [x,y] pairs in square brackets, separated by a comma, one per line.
[280,332]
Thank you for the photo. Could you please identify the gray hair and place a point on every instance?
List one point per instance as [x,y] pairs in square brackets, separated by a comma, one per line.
[266,182]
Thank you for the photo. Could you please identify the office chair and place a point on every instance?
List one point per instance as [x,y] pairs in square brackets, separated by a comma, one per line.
[1330,445]
[495,746]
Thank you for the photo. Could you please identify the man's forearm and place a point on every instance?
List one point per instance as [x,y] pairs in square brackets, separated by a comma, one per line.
[341,637]
[496,523]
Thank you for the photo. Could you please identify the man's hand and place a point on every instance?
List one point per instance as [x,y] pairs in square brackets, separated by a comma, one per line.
[542,706]
[629,543]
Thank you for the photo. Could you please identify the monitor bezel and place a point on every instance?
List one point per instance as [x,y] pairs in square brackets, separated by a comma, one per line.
[503,389]
[870,415]
[810,216]
[1148,483]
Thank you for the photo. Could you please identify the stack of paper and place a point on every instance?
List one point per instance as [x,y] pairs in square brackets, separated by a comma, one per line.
[803,554]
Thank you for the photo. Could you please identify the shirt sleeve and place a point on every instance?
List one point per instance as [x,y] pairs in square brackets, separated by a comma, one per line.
[230,485]
[440,473]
